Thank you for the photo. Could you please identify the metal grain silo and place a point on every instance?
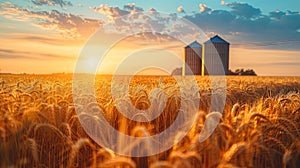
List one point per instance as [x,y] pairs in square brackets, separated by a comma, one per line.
[216,56]
[193,59]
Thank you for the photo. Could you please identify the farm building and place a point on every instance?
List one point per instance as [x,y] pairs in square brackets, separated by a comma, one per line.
[211,58]
[193,58]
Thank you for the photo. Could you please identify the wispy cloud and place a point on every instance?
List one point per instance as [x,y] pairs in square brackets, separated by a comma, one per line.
[61,3]
[71,26]
[15,54]
[244,10]
[43,39]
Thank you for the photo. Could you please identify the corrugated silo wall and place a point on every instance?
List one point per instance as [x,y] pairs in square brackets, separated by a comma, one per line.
[212,52]
[193,60]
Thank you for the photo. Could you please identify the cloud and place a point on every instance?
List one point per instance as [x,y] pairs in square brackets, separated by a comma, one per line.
[114,12]
[61,3]
[125,22]
[180,9]
[14,54]
[146,25]
[244,10]
[44,39]
[204,8]
[244,23]
[152,10]
[111,12]
[136,22]
[129,20]
[72,26]
[241,23]
[214,21]
[132,8]
[149,25]
[277,14]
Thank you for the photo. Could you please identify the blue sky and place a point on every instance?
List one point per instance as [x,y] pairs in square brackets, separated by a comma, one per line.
[170,6]
[233,16]
[262,33]
[192,5]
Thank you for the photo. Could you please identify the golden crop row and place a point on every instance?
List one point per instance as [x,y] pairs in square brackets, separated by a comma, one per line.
[39,127]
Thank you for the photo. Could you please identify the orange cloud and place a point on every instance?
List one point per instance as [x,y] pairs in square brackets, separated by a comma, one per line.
[72,26]
[180,9]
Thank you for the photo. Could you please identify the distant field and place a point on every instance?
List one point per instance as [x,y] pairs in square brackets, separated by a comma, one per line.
[259,125]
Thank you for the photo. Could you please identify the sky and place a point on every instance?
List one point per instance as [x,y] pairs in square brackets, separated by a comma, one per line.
[49,36]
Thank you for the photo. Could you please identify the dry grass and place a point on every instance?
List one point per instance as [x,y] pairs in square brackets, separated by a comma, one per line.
[40,128]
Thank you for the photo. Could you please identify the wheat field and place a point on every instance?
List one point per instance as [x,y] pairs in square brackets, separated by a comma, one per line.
[259,126]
